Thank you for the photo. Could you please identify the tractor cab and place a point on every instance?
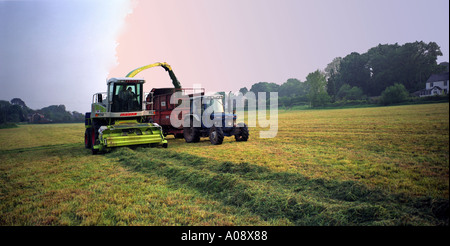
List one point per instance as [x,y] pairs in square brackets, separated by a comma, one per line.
[215,102]
[126,94]
[212,106]
[200,103]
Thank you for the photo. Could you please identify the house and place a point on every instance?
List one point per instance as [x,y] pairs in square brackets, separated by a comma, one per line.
[437,84]
[37,118]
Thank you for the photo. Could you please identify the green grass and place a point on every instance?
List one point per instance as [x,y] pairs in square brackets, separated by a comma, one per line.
[362,166]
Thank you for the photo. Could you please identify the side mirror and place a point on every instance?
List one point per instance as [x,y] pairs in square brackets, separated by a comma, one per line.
[99,98]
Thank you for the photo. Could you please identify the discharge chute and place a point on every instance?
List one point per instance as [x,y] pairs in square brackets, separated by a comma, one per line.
[164,65]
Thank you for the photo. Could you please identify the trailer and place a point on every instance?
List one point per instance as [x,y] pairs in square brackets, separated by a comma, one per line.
[158,101]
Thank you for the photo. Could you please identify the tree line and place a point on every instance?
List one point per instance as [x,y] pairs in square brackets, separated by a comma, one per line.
[17,111]
[362,78]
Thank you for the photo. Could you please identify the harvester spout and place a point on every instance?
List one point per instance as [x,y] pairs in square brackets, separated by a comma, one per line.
[175,81]
[166,67]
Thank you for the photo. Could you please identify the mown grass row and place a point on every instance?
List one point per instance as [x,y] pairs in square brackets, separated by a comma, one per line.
[66,185]
[280,195]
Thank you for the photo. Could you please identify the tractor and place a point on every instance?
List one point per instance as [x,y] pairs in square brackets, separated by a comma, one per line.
[207,118]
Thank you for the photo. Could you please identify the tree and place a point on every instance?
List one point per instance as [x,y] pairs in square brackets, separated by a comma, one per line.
[291,88]
[18,101]
[243,90]
[317,94]
[346,92]
[394,94]
[12,112]
[354,71]
[58,114]
[4,106]
[332,72]
[383,65]
[264,87]
[355,93]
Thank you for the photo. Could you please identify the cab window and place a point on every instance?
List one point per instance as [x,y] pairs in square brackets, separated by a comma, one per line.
[127,97]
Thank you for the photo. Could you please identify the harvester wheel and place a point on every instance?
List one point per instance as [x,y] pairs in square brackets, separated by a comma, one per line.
[243,134]
[87,138]
[93,139]
[216,135]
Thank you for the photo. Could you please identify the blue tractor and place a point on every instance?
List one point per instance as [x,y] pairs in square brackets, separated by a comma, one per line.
[207,118]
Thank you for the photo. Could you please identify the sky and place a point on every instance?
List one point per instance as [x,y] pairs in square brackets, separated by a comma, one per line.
[56,52]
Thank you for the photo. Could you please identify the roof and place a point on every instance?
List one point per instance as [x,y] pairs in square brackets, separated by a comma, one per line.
[426,91]
[438,77]
[436,87]
[125,79]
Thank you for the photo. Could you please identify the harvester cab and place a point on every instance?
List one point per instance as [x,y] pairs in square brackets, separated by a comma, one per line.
[207,118]
[119,117]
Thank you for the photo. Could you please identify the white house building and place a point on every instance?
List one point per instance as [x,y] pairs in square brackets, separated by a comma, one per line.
[437,84]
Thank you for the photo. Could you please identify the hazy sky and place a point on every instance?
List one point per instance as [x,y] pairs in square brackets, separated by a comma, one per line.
[62,52]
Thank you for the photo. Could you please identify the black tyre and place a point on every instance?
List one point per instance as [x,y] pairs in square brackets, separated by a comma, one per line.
[93,141]
[191,133]
[216,135]
[87,138]
[243,134]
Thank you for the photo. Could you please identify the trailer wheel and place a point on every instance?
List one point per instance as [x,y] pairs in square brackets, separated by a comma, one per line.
[243,134]
[216,135]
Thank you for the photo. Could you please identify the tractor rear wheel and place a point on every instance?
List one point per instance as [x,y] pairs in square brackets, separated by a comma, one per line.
[243,134]
[216,135]
[191,133]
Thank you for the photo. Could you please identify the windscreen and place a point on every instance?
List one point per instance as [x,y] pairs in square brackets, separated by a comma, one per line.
[127,97]
[216,105]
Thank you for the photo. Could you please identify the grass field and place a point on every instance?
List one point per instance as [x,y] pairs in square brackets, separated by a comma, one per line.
[362,166]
